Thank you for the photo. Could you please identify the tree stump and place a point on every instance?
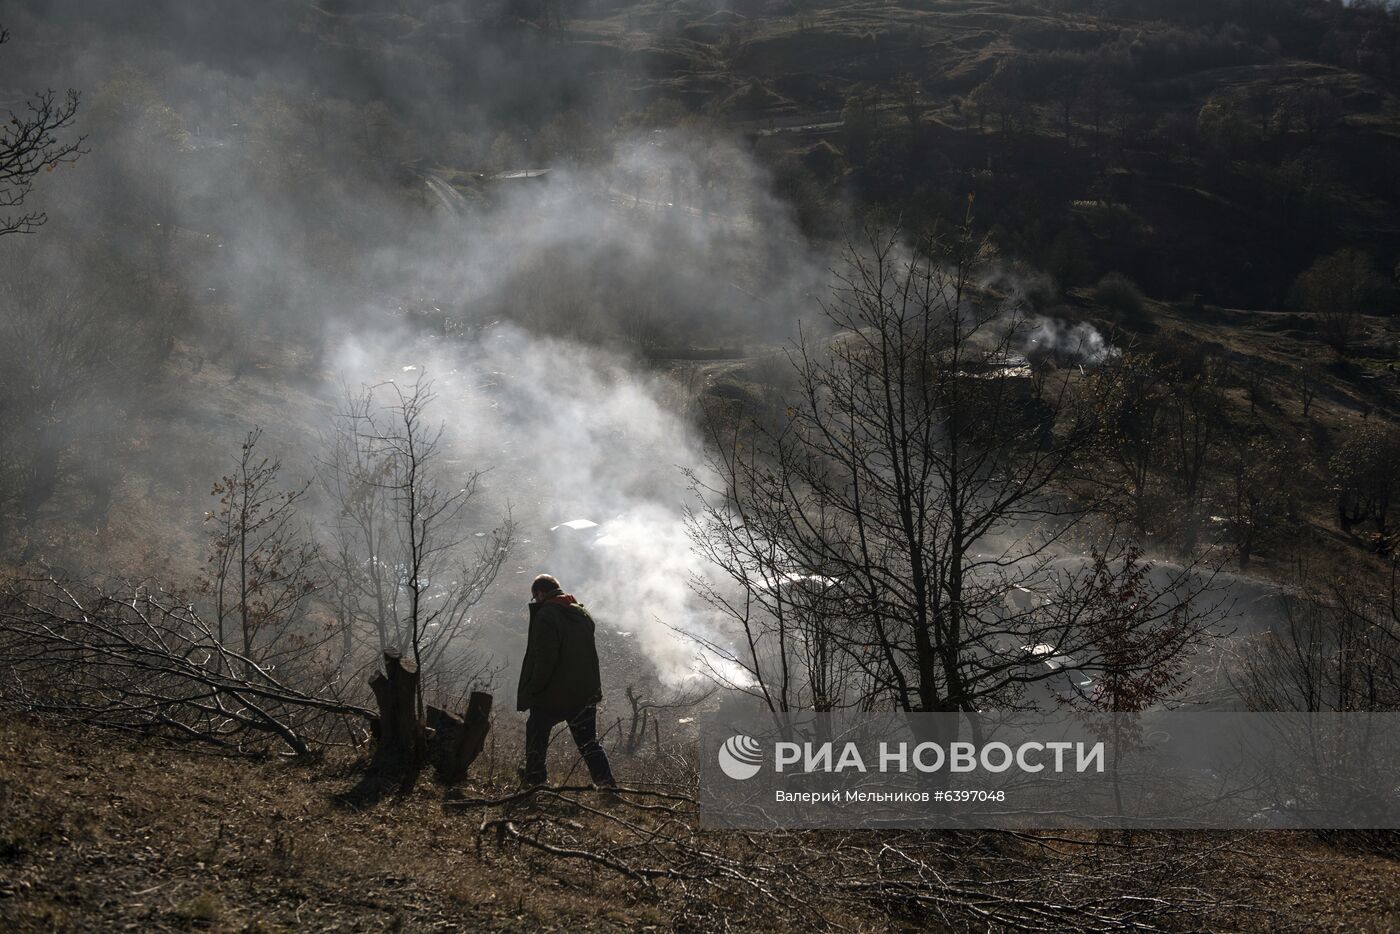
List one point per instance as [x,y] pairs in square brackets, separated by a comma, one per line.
[457,741]
[402,744]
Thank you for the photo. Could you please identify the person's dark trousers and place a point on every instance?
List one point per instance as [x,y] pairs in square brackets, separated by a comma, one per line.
[583,724]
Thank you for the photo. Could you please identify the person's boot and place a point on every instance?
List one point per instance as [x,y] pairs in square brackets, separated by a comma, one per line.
[530,802]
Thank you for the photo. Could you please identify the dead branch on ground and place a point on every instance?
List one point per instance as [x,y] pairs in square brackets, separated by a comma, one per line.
[144,661]
[959,879]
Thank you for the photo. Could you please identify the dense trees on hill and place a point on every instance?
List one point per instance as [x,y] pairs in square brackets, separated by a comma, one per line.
[1129,83]
[1298,25]
[1101,132]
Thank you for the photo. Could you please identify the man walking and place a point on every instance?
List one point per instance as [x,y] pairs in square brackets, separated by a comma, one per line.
[559,681]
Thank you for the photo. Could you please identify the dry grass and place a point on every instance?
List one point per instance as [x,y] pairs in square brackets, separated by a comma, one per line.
[102,833]
[99,833]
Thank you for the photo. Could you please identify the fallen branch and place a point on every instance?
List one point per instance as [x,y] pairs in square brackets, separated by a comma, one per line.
[528,793]
[954,880]
[145,661]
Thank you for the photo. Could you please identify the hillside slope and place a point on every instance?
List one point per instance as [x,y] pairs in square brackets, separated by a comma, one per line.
[103,834]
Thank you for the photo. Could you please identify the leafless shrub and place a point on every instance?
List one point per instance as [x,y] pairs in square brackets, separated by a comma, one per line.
[1118,292]
[260,571]
[645,711]
[1163,427]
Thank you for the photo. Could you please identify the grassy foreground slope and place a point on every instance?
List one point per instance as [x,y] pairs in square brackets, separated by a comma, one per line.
[105,834]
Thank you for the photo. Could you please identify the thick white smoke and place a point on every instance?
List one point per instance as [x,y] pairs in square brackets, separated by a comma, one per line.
[568,432]
[536,391]
[1080,342]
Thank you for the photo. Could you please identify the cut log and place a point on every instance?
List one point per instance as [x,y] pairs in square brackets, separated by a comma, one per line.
[402,744]
[457,741]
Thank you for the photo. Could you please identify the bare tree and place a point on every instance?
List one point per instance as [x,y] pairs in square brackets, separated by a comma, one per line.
[1143,652]
[920,475]
[1163,426]
[1261,492]
[1364,476]
[1134,437]
[1309,381]
[1336,649]
[1196,423]
[364,576]
[1140,665]
[260,571]
[399,562]
[1337,289]
[29,144]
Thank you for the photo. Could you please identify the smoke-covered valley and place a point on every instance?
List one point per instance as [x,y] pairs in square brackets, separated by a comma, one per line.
[254,215]
[275,231]
[272,212]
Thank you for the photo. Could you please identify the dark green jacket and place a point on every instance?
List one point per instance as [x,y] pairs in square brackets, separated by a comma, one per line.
[560,671]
